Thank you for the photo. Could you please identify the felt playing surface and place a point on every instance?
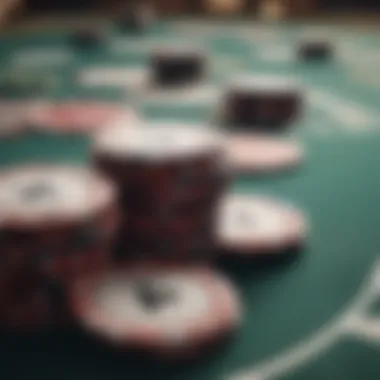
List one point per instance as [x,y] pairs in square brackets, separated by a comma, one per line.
[312,317]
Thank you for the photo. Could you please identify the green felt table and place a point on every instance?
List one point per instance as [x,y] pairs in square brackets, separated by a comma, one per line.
[314,317]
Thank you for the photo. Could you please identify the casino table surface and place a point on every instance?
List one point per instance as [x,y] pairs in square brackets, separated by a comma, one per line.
[315,316]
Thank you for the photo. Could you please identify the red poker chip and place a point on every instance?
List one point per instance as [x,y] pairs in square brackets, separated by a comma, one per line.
[64,268]
[257,154]
[35,311]
[79,117]
[166,310]
[253,225]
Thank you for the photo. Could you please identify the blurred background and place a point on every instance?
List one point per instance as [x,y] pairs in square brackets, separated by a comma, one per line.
[294,8]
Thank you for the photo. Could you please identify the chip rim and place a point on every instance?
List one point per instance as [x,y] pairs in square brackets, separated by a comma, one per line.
[43,120]
[107,197]
[292,161]
[100,150]
[146,338]
[294,237]
[276,84]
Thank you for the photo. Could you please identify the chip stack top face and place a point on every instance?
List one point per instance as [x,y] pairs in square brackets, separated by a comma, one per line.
[264,84]
[151,299]
[161,142]
[178,66]
[180,51]
[249,223]
[157,306]
[36,196]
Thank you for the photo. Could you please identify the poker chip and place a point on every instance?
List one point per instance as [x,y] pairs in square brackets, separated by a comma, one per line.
[55,219]
[79,117]
[315,50]
[158,142]
[159,169]
[35,196]
[250,225]
[88,38]
[166,310]
[178,66]
[31,306]
[259,154]
[261,103]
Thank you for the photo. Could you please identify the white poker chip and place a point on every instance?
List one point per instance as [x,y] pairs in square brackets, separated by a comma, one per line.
[164,309]
[35,196]
[250,225]
[158,142]
[259,154]
[264,84]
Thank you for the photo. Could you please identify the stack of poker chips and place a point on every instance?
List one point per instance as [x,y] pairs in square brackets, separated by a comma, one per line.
[167,311]
[314,50]
[169,178]
[161,298]
[178,67]
[56,223]
[261,103]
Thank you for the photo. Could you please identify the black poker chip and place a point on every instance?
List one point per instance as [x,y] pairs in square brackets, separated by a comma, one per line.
[315,51]
[176,67]
[261,103]
[86,39]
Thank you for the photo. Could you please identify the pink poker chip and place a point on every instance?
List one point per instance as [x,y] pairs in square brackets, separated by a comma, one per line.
[255,154]
[79,117]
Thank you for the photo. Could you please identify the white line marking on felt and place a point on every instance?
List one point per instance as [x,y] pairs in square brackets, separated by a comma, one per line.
[352,321]
[352,116]
[321,125]
[113,76]
[41,57]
